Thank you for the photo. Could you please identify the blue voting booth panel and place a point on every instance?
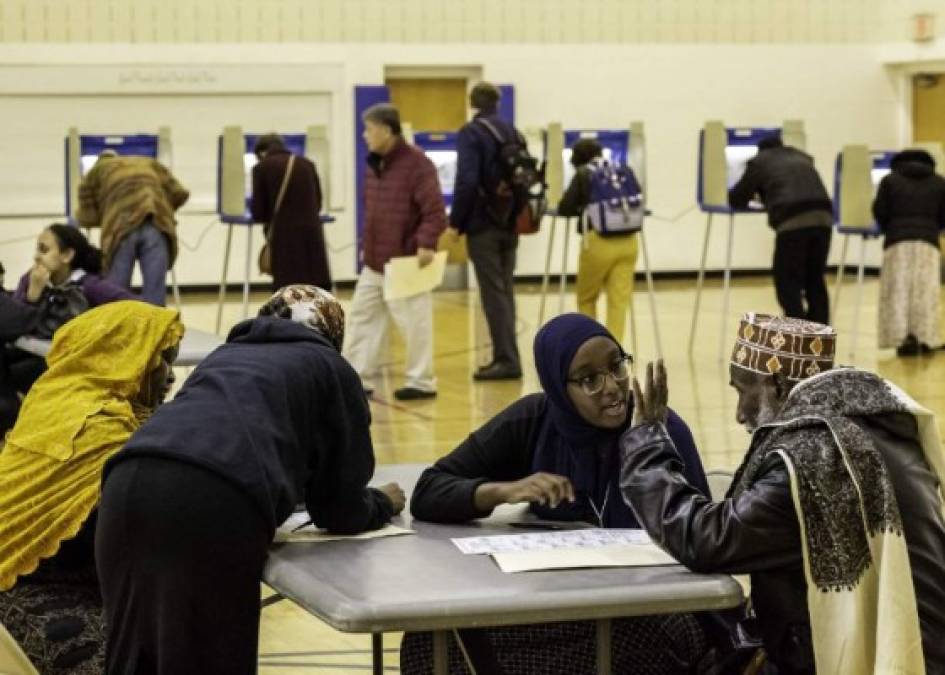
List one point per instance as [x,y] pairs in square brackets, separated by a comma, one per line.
[616,145]
[90,147]
[295,143]
[741,146]
[441,149]
[882,165]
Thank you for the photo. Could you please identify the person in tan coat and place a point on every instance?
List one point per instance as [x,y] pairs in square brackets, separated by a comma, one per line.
[133,199]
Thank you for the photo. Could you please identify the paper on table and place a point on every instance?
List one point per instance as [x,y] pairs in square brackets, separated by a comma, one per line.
[288,534]
[589,538]
[404,278]
[632,555]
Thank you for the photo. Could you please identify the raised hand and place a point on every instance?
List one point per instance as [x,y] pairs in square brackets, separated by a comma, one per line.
[651,404]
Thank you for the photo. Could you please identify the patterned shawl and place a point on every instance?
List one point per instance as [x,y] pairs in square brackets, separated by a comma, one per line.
[860,594]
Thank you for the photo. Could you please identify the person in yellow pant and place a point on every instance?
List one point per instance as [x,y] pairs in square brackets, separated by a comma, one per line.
[607,261]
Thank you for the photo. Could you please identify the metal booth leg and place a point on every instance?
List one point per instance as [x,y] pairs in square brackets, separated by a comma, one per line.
[226,265]
[860,280]
[546,276]
[564,268]
[246,271]
[726,285]
[175,288]
[651,291]
[841,269]
[700,280]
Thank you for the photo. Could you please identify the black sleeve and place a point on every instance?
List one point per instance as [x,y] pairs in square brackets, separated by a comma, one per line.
[501,450]
[337,496]
[685,445]
[468,173]
[756,530]
[259,204]
[577,196]
[16,318]
[747,187]
[881,205]
[319,197]
[941,204]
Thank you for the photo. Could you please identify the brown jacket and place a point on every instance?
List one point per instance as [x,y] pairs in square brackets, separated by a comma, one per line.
[404,207]
[119,194]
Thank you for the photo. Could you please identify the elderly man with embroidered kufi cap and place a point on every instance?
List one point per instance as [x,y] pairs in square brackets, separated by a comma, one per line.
[836,511]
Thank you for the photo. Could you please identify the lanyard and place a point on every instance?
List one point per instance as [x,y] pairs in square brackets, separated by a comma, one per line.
[600,512]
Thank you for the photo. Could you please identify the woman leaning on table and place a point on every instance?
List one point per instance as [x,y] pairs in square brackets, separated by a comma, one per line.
[558,452]
[272,418]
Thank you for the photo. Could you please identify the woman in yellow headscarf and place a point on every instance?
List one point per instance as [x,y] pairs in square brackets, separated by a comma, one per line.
[108,369]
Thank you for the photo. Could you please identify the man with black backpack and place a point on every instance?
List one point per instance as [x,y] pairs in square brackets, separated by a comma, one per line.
[490,193]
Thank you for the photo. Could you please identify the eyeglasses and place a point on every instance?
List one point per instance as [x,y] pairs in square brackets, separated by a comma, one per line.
[594,384]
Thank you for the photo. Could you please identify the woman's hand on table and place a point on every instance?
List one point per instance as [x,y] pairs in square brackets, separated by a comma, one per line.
[542,488]
[396,496]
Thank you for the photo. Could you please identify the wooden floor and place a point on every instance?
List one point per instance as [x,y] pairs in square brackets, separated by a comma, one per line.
[292,642]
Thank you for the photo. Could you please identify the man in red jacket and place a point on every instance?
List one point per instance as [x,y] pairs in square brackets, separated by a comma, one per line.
[404,216]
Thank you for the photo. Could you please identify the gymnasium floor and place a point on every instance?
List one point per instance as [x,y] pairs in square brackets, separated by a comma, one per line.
[292,642]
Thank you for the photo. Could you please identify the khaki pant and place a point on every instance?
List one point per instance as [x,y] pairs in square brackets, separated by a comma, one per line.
[607,264]
[366,332]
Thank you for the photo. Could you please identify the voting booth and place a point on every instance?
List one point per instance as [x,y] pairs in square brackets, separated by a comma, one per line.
[440,147]
[857,174]
[620,147]
[82,152]
[723,155]
[235,162]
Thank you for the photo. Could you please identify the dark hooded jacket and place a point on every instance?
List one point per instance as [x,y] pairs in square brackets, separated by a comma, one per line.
[476,208]
[910,202]
[281,415]
[787,182]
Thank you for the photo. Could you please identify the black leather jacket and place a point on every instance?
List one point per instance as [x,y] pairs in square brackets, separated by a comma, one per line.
[757,533]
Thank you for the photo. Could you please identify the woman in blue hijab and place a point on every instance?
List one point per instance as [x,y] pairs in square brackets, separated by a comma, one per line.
[558,452]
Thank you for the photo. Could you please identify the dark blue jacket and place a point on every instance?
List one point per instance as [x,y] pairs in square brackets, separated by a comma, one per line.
[280,414]
[477,175]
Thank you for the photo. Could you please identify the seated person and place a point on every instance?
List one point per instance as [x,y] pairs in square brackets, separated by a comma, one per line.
[108,369]
[558,452]
[836,511]
[62,282]
[16,319]
[272,418]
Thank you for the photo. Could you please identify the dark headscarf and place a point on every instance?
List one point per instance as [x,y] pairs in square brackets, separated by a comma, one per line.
[567,444]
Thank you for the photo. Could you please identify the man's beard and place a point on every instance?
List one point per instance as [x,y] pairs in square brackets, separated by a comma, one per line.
[767,412]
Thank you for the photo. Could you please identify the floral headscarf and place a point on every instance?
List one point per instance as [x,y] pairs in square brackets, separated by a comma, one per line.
[310,306]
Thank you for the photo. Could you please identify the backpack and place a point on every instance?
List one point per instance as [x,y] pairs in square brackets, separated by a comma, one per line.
[616,202]
[519,182]
[58,305]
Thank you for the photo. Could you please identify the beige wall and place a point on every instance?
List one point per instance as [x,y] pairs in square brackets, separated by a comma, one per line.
[426,21]
[826,69]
